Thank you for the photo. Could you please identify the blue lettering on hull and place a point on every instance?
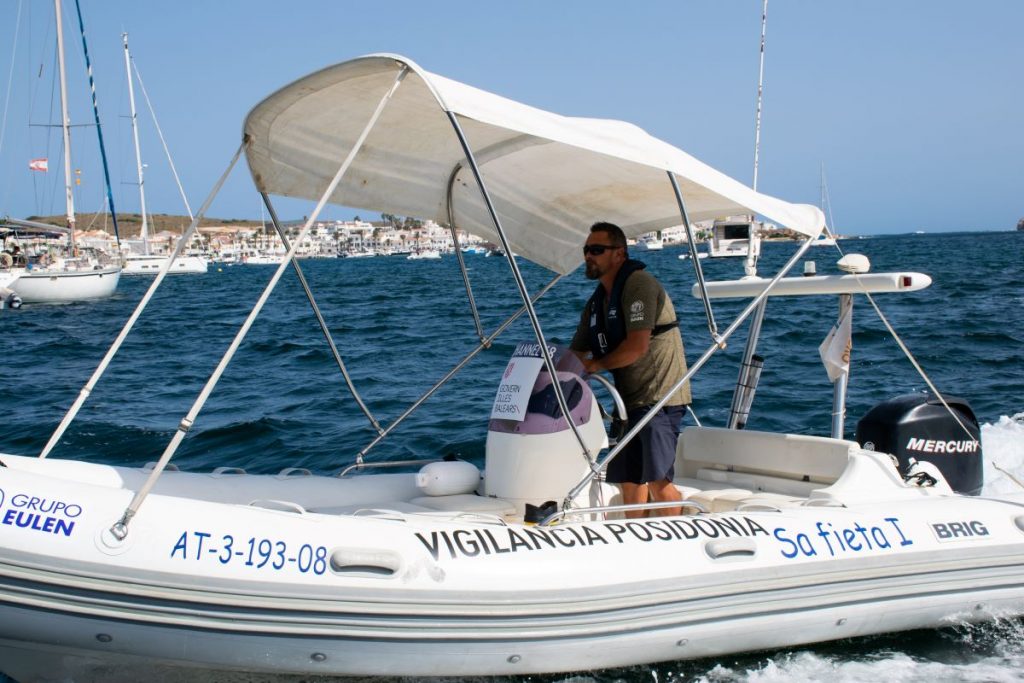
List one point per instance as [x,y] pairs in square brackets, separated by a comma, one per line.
[828,540]
[38,522]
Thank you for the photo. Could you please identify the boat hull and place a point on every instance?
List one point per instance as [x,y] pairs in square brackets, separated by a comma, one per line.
[265,587]
[52,646]
[44,286]
[151,265]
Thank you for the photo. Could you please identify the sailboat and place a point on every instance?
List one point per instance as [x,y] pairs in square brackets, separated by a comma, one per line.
[739,235]
[75,273]
[148,263]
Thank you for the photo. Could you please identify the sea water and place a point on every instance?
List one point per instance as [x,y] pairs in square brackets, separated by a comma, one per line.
[401,325]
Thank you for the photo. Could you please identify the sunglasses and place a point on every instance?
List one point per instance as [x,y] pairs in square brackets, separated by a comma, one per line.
[597,249]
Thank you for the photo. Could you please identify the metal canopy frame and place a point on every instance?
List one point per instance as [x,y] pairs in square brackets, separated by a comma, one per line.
[118,531]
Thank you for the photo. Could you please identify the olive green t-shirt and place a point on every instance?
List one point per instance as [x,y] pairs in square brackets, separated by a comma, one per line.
[646,304]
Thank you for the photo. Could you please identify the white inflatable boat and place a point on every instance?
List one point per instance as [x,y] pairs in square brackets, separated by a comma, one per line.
[527,565]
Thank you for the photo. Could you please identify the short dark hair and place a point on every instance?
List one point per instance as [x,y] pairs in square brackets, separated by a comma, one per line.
[613,231]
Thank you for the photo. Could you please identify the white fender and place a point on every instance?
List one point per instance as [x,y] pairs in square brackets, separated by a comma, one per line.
[448,478]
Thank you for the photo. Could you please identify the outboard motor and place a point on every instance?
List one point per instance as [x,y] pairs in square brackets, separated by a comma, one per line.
[533,456]
[9,298]
[918,426]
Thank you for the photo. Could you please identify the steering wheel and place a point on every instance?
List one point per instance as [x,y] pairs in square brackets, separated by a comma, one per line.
[618,416]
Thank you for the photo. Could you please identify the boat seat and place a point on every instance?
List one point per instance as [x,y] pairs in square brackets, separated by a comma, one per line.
[719,500]
[716,478]
[688,487]
[794,457]
[467,502]
[769,501]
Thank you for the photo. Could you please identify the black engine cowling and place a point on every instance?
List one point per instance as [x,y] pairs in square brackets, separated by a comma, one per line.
[918,426]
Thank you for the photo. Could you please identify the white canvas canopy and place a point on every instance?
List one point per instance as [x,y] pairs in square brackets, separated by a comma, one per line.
[550,176]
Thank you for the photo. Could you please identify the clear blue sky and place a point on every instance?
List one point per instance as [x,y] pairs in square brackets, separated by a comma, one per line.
[916,107]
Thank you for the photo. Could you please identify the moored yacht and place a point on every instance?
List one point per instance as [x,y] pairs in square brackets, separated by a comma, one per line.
[735,236]
[424,254]
[262,259]
[150,264]
[651,242]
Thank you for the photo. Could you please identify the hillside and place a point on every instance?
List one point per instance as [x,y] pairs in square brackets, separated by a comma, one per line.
[129,224]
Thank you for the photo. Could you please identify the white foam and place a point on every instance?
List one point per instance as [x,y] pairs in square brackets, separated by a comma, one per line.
[1003,445]
[892,667]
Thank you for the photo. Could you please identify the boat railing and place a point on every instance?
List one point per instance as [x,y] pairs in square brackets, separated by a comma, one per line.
[362,465]
[657,505]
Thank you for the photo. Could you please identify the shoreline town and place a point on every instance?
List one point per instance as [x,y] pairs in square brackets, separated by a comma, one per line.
[248,243]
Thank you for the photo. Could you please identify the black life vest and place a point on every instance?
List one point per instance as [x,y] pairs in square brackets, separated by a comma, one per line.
[606,332]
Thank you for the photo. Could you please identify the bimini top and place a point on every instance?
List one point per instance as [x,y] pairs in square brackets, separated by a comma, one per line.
[10,225]
[550,176]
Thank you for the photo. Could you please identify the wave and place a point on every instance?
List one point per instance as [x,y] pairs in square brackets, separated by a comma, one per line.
[1003,446]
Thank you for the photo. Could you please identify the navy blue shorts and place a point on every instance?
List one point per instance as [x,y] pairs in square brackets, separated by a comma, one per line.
[651,455]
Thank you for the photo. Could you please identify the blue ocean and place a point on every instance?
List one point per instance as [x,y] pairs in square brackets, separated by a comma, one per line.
[402,325]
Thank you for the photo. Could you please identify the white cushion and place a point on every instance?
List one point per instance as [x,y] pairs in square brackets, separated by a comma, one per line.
[720,500]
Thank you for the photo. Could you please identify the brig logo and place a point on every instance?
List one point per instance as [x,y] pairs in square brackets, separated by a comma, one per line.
[951,531]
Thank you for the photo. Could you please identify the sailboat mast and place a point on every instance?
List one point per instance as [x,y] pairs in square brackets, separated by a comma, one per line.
[823,186]
[760,91]
[144,231]
[99,128]
[750,263]
[65,125]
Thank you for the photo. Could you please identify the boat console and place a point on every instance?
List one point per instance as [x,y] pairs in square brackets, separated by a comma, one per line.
[538,458]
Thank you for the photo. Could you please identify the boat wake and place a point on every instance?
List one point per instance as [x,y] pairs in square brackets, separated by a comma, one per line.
[979,652]
[1003,445]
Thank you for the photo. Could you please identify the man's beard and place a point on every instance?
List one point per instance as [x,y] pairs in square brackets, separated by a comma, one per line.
[594,271]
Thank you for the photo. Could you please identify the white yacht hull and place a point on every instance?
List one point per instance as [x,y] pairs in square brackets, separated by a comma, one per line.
[151,265]
[55,286]
[735,237]
[424,255]
[263,260]
[238,583]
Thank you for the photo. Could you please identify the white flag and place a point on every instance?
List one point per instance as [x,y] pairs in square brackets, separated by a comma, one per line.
[38,165]
[835,350]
